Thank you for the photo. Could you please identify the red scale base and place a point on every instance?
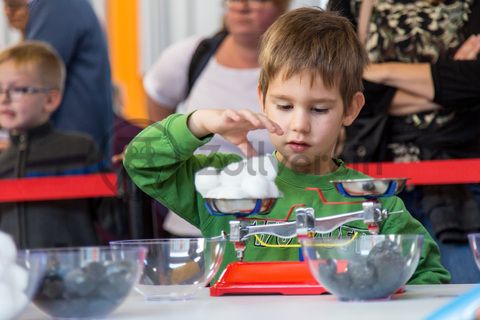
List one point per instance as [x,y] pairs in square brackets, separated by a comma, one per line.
[287,278]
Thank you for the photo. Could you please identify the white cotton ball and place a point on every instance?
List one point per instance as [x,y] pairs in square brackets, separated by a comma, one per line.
[257,187]
[206,180]
[8,251]
[265,166]
[271,166]
[17,278]
[20,299]
[213,194]
[273,191]
[7,307]
[231,193]
[4,266]
[229,176]
[244,174]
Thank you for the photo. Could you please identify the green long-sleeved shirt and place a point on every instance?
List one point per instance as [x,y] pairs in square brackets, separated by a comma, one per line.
[161,161]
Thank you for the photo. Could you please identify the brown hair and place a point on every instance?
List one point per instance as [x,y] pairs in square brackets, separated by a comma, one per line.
[316,41]
[40,55]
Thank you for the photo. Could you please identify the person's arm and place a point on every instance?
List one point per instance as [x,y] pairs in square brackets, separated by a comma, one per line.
[405,103]
[232,125]
[160,161]
[429,269]
[414,78]
[165,83]
[448,82]
[457,83]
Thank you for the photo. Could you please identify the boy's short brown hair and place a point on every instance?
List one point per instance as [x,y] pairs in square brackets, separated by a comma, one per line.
[316,41]
[40,55]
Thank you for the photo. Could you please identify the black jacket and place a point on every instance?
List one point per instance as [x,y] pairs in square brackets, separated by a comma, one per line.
[45,152]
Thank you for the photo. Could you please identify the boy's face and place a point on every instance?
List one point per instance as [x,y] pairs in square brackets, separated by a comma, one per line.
[311,117]
[24,102]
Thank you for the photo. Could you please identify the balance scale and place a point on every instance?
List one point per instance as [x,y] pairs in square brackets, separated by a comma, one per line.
[270,277]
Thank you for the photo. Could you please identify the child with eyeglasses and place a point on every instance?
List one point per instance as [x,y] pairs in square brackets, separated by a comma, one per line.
[32,77]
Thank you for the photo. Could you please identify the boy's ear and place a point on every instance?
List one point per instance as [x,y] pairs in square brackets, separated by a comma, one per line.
[54,97]
[354,108]
[260,98]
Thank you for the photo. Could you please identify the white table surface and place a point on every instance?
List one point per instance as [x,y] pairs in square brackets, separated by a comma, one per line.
[416,303]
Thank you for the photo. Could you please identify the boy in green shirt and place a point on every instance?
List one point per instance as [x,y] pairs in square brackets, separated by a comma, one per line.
[310,87]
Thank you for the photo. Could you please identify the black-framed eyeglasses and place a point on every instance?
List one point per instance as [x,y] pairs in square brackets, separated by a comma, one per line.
[16,93]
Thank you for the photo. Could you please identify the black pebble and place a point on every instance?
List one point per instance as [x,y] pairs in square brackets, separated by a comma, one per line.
[78,282]
[52,286]
[361,273]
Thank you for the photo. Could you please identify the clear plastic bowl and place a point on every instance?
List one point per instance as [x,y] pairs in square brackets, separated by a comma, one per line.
[364,267]
[177,268]
[19,283]
[87,282]
[474,240]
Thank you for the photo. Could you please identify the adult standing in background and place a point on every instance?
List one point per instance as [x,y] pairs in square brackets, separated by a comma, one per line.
[73,29]
[228,79]
[423,103]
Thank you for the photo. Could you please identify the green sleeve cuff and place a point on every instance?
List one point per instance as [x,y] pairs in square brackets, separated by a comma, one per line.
[177,128]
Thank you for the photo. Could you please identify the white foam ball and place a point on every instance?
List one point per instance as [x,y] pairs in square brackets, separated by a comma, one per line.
[271,166]
[7,306]
[265,166]
[8,252]
[20,299]
[206,180]
[231,193]
[4,266]
[17,278]
[273,191]
[213,194]
[229,176]
[256,187]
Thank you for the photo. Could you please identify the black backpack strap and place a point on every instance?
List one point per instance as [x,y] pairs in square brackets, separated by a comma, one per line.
[205,50]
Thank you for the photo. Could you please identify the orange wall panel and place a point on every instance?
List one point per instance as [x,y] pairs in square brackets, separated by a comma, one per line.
[122,30]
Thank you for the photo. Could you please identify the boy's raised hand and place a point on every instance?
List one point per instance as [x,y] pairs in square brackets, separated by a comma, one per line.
[232,125]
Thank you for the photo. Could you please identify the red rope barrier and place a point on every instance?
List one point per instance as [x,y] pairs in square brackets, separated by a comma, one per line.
[105,185]
[58,188]
[425,172]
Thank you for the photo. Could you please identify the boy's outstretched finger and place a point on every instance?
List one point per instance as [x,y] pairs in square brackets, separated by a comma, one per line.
[231,114]
[251,117]
[271,126]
